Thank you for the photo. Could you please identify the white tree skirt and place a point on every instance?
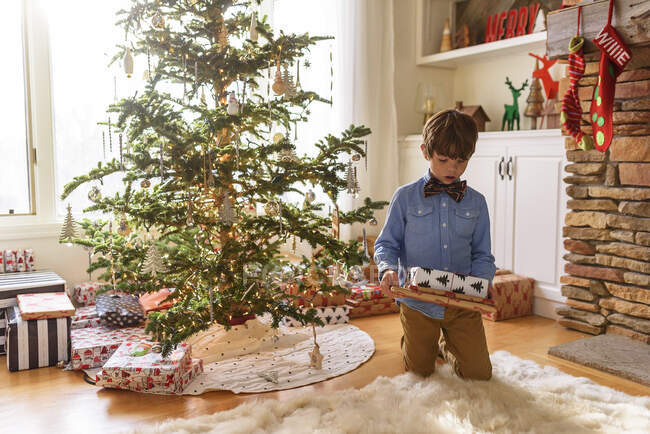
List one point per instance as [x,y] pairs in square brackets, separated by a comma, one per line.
[239,359]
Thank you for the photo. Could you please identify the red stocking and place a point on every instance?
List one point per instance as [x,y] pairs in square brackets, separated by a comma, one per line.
[614,56]
[571,112]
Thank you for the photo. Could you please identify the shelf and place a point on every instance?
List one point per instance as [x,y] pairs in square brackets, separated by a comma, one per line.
[493,135]
[454,58]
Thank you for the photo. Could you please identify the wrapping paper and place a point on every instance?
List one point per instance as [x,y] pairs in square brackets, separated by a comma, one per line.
[84,293]
[45,305]
[121,310]
[513,297]
[447,281]
[36,343]
[85,317]
[313,298]
[93,346]
[379,306]
[29,260]
[192,369]
[329,315]
[366,292]
[154,301]
[12,284]
[10,261]
[447,299]
[136,363]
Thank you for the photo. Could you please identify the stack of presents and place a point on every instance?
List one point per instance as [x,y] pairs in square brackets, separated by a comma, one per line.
[41,327]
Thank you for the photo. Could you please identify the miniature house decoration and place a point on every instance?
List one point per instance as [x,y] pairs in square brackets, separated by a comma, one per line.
[476,112]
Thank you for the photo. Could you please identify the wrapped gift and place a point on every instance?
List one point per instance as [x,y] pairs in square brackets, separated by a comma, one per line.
[84,293]
[36,343]
[84,317]
[29,260]
[93,346]
[45,305]
[3,329]
[366,292]
[20,261]
[192,369]
[313,298]
[512,295]
[329,315]
[120,310]
[447,281]
[10,260]
[34,282]
[137,362]
[155,301]
[372,308]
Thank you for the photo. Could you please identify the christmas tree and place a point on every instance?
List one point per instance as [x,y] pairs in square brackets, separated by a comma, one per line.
[194,166]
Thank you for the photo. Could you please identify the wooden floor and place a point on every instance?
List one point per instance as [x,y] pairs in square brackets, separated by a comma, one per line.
[55,401]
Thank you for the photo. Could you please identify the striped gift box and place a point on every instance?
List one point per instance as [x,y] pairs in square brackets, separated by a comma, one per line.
[12,284]
[3,326]
[36,343]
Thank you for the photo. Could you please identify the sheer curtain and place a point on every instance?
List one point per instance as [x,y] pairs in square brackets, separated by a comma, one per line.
[366,67]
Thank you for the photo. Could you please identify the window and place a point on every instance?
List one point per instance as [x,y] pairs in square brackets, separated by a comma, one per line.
[15,174]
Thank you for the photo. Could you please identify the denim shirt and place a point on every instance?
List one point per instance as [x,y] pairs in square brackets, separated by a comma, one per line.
[435,232]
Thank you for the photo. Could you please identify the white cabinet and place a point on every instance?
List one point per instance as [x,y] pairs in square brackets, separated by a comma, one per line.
[520,174]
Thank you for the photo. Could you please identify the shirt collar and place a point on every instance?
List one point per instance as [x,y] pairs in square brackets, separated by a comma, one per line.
[427,177]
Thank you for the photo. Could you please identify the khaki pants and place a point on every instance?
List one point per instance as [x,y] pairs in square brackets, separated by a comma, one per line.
[464,338]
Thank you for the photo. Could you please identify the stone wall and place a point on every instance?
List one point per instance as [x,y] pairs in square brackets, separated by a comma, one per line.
[607,228]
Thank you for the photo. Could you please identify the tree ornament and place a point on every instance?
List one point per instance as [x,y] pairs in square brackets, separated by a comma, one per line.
[356,157]
[110,136]
[104,143]
[288,155]
[145,183]
[68,230]
[233,105]
[121,145]
[293,244]
[373,222]
[94,194]
[278,137]
[123,228]
[204,101]
[128,62]
[227,212]
[253,29]
[153,261]
[349,177]
[366,255]
[298,85]
[535,100]
[162,162]
[158,21]
[331,75]
[190,212]
[614,57]
[310,196]
[279,86]
[365,153]
[336,225]
[571,112]
[289,87]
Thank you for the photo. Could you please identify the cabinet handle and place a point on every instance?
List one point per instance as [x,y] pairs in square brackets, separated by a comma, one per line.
[503,160]
[509,168]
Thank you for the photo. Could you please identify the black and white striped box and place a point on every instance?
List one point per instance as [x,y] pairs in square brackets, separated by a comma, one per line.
[32,282]
[36,343]
[3,327]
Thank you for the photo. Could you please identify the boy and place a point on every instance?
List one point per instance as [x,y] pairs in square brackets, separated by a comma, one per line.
[438,222]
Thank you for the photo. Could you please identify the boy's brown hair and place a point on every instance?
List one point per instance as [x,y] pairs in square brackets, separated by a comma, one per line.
[450,133]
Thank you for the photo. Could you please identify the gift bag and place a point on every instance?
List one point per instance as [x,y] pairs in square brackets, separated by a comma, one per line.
[120,310]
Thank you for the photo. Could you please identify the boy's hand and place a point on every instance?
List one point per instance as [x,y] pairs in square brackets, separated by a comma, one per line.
[388,280]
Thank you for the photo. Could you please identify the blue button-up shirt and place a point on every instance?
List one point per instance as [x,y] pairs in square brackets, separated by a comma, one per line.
[435,232]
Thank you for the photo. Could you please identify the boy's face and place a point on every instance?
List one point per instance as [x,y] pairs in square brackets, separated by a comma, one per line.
[443,168]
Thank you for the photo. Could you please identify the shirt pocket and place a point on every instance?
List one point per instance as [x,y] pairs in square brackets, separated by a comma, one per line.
[419,220]
[465,220]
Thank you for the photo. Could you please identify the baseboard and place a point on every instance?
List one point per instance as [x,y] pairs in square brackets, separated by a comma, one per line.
[546,308]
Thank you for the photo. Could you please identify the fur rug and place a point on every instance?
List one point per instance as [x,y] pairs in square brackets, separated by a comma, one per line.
[521,397]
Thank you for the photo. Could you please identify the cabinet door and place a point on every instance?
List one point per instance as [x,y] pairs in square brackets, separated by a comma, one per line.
[535,212]
[482,175]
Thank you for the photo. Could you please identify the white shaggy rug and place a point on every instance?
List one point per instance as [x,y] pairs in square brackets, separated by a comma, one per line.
[521,397]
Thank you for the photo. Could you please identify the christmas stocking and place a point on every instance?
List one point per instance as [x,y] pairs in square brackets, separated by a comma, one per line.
[614,56]
[571,112]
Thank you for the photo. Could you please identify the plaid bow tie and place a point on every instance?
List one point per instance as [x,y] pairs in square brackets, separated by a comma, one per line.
[456,189]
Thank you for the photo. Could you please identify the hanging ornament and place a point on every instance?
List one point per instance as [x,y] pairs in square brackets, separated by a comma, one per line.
[227,212]
[373,222]
[121,156]
[271,208]
[233,105]
[356,157]
[90,262]
[104,143]
[336,226]
[356,189]
[128,62]
[158,21]
[253,29]
[289,87]
[279,85]
[112,255]
[349,177]
[278,137]
[184,77]
[145,183]
[153,261]
[222,34]
[365,153]
[211,181]
[123,228]
[94,194]
[288,155]
[68,230]
[162,164]
[110,136]
[211,300]
[366,255]
[298,86]
[204,101]
[331,76]
[190,211]
[293,244]
[310,196]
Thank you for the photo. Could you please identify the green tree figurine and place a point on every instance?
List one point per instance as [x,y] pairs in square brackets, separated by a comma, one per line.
[196,165]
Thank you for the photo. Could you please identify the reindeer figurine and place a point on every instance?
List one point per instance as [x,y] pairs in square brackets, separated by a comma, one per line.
[512,111]
[550,85]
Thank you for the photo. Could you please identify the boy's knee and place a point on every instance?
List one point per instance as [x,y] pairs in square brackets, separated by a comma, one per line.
[480,372]
[422,371]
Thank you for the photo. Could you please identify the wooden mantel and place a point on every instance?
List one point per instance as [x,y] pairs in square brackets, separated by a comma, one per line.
[631,18]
